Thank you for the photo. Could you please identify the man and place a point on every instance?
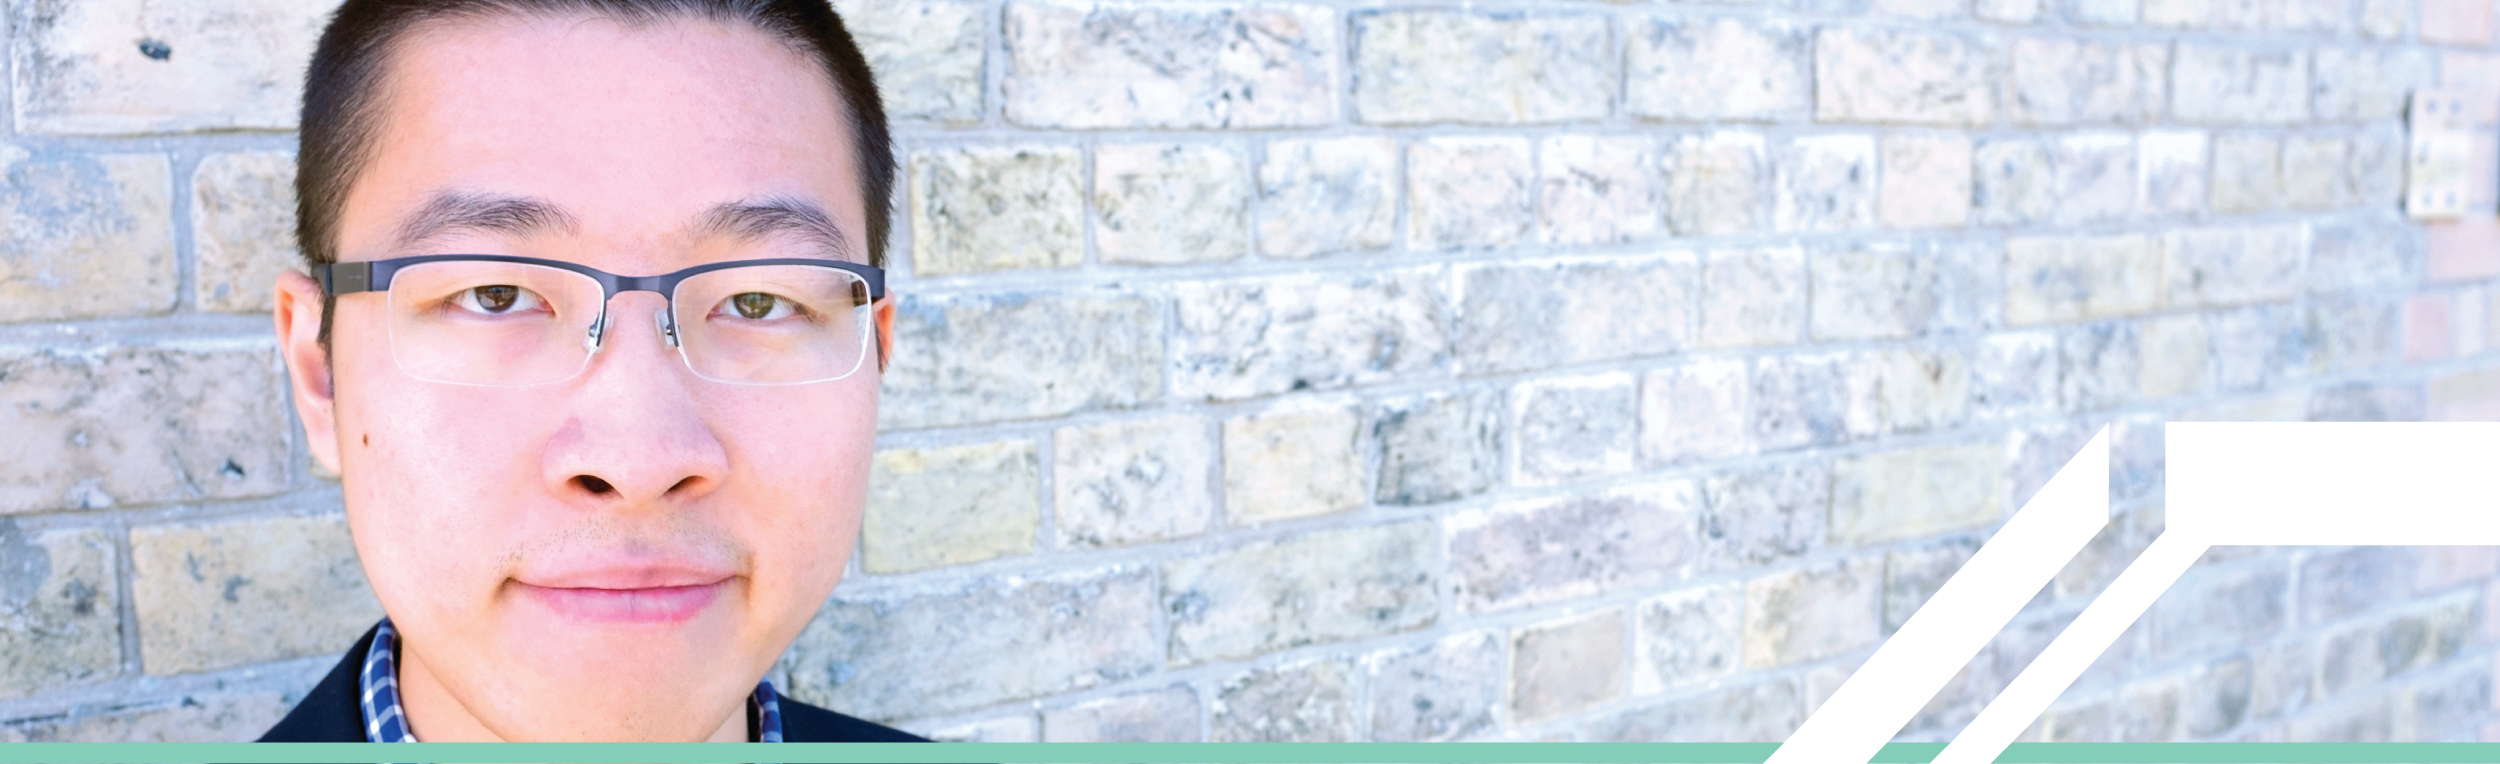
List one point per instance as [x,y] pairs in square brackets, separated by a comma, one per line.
[592,339]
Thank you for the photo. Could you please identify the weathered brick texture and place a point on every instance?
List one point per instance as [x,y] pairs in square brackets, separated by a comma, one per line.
[1373,371]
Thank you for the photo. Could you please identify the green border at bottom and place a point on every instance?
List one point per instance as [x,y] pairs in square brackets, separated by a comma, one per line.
[1216,753]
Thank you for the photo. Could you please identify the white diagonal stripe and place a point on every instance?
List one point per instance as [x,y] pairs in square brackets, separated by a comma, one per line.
[1961,618]
[2073,651]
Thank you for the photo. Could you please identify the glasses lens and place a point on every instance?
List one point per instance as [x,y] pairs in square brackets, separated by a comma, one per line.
[485,323]
[773,324]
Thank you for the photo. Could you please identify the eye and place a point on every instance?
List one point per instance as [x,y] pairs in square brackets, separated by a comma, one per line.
[758,306]
[497,299]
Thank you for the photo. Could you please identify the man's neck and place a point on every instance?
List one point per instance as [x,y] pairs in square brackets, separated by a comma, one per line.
[436,716]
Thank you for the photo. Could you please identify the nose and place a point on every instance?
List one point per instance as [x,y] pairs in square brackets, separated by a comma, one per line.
[636,435]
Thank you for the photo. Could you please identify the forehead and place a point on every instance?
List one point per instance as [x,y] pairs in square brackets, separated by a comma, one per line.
[634,128]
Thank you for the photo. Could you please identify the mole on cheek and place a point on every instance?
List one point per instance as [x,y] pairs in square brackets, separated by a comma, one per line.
[368,439]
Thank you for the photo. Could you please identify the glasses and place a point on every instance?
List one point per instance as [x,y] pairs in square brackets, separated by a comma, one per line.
[512,321]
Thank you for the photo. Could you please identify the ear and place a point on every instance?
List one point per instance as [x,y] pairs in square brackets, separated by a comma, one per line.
[298,318]
[884,310]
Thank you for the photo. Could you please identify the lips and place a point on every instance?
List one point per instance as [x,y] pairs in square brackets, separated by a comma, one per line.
[638,605]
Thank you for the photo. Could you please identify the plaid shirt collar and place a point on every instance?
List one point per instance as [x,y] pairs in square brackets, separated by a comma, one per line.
[385,724]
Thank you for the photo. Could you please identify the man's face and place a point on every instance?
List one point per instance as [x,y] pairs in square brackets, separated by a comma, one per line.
[620,555]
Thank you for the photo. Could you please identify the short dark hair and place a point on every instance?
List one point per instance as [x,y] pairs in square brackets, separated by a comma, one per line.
[342,85]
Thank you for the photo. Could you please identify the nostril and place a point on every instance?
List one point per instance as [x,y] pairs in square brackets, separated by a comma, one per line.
[594,485]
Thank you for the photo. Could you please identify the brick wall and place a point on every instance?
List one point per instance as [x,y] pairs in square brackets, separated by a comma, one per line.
[1408,371]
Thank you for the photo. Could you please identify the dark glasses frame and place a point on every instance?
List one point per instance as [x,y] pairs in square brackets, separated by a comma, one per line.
[375,276]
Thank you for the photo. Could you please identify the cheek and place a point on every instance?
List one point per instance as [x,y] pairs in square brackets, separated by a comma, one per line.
[435,476]
[800,489]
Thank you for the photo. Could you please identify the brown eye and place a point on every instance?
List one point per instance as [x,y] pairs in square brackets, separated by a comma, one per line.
[496,299]
[754,305]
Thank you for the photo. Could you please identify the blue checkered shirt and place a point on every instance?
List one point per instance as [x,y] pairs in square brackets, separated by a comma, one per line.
[385,724]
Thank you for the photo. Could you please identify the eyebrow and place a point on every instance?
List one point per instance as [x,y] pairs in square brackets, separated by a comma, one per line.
[776,216]
[451,211]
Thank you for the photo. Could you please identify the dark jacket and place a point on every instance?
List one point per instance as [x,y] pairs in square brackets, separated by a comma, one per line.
[331,714]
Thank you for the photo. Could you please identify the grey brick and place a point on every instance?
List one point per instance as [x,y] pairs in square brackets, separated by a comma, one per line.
[2446,704]
[1797,402]
[2216,609]
[2343,335]
[2171,164]
[1250,338]
[235,66]
[927,55]
[989,208]
[1418,66]
[2361,85]
[2317,173]
[1752,298]
[1916,492]
[1715,183]
[2052,81]
[900,655]
[1766,711]
[950,505]
[1625,539]
[2035,454]
[1902,77]
[85,237]
[1681,69]
[2212,267]
[1329,195]
[2013,374]
[1762,515]
[219,715]
[1687,638]
[2248,173]
[1912,576]
[968,359]
[1438,692]
[225,593]
[1538,314]
[1898,390]
[2096,177]
[2340,584]
[2097,366]
[1132,481]
[1440,446]
[1309,702]
[242,228]
[1311,589]
[1170,204]
[60,610]
[1694,411]
[1168,715]
[1169,65]
[2068,278]
[140,424]
[1575,427]
[1597,189]
[2218,85]
[2378,164]
[1826,183]
[1020,728]
[1870,293]
[2177,356]
[2251,345]
[1565,666]
[1468,193]
[2014,185]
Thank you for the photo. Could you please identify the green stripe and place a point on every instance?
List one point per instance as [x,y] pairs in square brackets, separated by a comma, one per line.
[1216,753]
